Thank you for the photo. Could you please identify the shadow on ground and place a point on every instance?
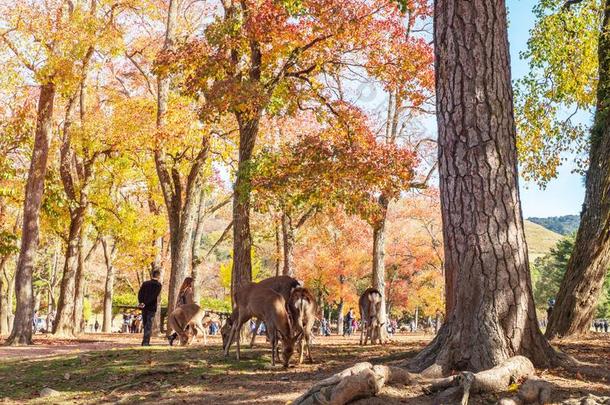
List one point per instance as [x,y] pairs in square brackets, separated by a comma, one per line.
[201,374]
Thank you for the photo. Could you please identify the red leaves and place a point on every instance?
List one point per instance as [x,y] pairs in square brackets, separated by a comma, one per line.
[342,163]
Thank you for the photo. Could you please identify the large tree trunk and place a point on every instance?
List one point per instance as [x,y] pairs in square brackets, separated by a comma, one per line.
[493,316]
[64,322]
[22,324]
[241,272]
[181,251]
[379,262]
[108,286]
[288,238]
[590,260]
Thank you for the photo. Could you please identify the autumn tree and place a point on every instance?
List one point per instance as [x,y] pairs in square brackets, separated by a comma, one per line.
[258,57]
[84,142]
[46,48]
[576,77]
[16,122]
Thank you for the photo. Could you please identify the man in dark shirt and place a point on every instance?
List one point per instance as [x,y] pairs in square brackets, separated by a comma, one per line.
[147,297]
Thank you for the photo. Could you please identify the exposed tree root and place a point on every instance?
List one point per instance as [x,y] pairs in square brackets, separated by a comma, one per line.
[364,380]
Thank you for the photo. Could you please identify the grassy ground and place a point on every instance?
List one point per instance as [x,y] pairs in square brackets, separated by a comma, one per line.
[200,374]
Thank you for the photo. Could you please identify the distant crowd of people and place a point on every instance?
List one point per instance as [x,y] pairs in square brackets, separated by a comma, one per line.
[132,323]
[601,325]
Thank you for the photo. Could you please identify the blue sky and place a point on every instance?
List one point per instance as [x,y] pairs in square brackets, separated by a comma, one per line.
[565,194]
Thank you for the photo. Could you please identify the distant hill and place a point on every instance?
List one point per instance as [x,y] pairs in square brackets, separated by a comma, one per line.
[564,225]
[539,239]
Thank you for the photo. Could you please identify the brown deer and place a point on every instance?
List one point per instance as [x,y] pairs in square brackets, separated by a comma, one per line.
[303,308]
[370,307]
[188,321]
[283,285]
[263,303]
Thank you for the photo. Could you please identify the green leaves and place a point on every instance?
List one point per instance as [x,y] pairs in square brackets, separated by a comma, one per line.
[561,83]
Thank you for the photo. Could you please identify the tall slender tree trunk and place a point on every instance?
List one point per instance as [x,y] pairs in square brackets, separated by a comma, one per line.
[241,272]
[584,278]
[378,274]
[157,264]
[340,318]
[108,286]
[79,294]
[51,307]
[64,322]
[288,237]
[493,315]
[22,324]
[4,329]
[278,249]
[197,254]
[10,297]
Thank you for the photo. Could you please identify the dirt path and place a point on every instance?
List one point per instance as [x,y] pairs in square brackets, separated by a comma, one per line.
[48,346]
[123,372]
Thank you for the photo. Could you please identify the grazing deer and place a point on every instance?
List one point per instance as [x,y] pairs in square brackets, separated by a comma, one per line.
[268,305]
[283,285]
[370,308]
[303,308]
[188,321]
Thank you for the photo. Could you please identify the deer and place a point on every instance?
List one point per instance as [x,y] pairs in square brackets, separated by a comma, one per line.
[303,309]
[188,321]
[370,308]
[263,303]
[284,285]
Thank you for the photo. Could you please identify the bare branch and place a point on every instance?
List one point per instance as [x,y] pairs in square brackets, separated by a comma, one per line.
[222,238]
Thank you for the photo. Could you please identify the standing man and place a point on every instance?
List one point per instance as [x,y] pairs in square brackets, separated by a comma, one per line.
[147,297]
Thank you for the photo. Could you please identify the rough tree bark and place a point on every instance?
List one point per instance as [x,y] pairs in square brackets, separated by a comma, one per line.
[493,316]
[108,285]
[22,324]
[590,260]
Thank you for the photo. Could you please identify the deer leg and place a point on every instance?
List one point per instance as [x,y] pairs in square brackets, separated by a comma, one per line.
[301,350]
[230,340]
[273,338]
[238,340]
[309,348]
[258,324]
[361,332]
